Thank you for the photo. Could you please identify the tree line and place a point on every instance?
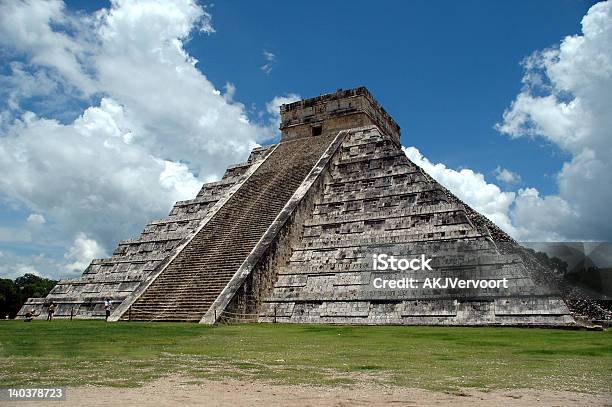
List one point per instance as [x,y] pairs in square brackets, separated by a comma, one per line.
[14,293]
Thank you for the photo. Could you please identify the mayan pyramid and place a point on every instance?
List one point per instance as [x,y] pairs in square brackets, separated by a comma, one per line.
[288,236]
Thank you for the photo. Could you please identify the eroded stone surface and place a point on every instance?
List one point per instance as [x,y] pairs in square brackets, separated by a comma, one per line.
[375,200]
[288,236]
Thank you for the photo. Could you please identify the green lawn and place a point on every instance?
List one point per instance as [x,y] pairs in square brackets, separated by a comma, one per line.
[437,358]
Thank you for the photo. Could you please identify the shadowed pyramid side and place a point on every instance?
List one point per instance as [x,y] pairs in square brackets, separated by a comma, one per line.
[375,200]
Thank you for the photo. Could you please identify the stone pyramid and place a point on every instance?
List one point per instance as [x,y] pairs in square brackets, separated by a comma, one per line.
[289,236]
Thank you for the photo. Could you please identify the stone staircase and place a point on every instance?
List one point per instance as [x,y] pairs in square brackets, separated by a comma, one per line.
[188,286]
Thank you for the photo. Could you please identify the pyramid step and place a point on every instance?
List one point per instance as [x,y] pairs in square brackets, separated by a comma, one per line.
[189,285]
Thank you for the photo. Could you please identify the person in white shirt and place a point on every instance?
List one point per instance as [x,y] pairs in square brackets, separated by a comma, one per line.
[108,305]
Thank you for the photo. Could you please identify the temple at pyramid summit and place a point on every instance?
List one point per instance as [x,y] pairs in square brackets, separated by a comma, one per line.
[291,235]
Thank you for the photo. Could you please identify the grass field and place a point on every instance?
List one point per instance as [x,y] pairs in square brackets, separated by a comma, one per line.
[436,358]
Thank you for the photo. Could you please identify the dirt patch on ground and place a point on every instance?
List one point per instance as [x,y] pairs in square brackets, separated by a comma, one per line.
[174,391]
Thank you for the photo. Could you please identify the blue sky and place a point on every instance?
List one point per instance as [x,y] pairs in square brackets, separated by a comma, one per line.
[104,121]
[444,70]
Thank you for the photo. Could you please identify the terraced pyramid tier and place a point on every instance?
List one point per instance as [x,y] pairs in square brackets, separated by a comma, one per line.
[376,201]
[289,236]
[134,260]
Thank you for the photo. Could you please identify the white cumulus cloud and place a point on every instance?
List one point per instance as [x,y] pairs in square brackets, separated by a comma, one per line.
[566,100]
[152,129]
[36,219]
[81,252]
[507,176]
